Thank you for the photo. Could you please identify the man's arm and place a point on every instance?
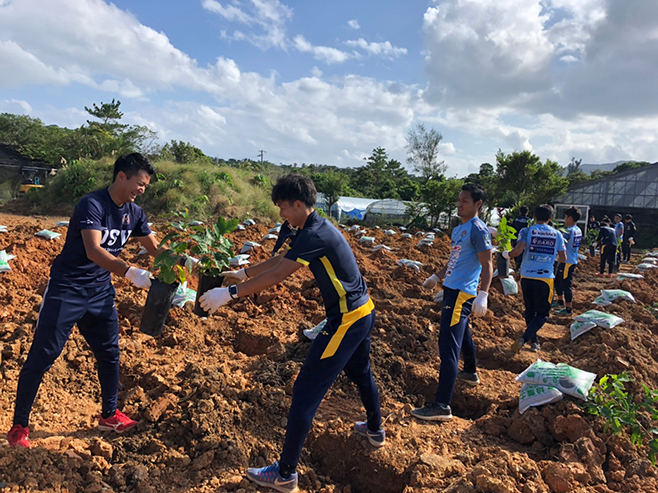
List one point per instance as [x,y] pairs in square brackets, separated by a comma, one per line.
[518,249]
[257,269]
[151,244]
[562,257]
[280,268]
[92,241]
[487,269]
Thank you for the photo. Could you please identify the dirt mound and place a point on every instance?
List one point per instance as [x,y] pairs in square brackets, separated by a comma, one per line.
[212,395]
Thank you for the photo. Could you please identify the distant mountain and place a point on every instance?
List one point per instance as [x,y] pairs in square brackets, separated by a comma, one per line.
[588,168]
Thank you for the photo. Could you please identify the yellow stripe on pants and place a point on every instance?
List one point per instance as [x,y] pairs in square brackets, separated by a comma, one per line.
[346,322]
[566,270]
[457,309]
[550,283]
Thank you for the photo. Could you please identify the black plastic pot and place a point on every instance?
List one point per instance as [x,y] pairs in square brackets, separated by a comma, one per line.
[206,283]
[503,265]
[156,308]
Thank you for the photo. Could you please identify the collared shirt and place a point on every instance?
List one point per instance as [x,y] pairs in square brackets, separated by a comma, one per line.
[464,267]
[542,244]
[324,249]
[619,230]
[97,211]
[572,242]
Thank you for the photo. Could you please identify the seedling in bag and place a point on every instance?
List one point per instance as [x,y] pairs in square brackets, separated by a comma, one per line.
[505,235]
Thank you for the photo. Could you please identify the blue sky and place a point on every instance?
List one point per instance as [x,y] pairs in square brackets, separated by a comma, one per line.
[326,82]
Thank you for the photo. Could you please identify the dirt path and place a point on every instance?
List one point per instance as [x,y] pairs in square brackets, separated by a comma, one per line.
[212,395]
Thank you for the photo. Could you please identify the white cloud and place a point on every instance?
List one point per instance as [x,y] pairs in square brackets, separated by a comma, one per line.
[353,24]
[15,106]
[316,72]
[322,53]
[266,18]
[385,49]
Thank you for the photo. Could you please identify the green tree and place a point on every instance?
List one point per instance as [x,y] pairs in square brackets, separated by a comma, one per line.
[423,152]
[521,178]
[332,184]
[440,196]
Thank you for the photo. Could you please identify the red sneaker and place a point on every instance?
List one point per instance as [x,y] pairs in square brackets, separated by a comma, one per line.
[17,436]
[119,422]
[599,274]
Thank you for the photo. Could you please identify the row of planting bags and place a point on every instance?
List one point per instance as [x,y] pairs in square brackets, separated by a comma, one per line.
[545,383]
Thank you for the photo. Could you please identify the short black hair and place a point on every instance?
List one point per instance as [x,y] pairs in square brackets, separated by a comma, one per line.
[293,187]
[523,210]
[476,191]
[543,212]
[618,215]
[573,213]
[131,164]
[605,222]
[628,217]
[591,217]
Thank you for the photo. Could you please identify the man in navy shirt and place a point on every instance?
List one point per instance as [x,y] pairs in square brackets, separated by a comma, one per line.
[607,241]
[80,291]
[523,221]
[629,238]
[343,344]
[470,257]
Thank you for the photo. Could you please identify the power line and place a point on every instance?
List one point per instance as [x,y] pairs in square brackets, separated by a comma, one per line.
[262,155]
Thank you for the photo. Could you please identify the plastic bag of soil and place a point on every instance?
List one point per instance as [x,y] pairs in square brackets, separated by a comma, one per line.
[269,237]
[439,298]
[275,230]
[248,245]
[368,240]
[389,232]
[63,223]
[414,264]
[406,235]
[48,235]
[601,301]
[313,333]
[627,275]
[582,256]
[376,248]
[183,295]
[579,327]
[4,261]
[602,319]
[649,260]
[3,229]
[240,227]
[426,242]
[239,260]
[646,266]
[510,286]
[617,294]
[537,395]
[565,378]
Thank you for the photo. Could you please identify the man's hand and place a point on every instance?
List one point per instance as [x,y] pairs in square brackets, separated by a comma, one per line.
[213,299]
[505,254]
[480,304]
[189,263]
[431,281]
[235,275]
[139,277]
[439,297]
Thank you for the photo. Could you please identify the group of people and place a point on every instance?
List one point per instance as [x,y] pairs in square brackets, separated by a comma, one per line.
[80,292]
[615,240]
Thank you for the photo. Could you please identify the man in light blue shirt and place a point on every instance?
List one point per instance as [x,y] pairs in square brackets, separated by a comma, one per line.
[470,256]
[619,231]
[564,275]
[540,245]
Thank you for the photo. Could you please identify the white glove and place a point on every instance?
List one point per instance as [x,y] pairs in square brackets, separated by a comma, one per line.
[431,281]
[595,244]
[190,262]
[439,297]
[139,277]
[214,298]
[480,304]
[493,231]
[505,254]
[237,275]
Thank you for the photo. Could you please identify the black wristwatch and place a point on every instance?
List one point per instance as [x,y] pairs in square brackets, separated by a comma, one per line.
[233,291]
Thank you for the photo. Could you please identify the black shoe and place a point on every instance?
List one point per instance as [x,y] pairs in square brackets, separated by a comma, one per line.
[433,412]
[469,378]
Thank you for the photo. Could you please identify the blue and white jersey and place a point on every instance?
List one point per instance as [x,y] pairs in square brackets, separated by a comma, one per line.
[619,230]
[542,244]
[97,211]
[464,268]
[572,242]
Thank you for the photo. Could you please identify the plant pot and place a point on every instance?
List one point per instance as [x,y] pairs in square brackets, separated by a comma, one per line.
[206,283]
[156,308]
[503,265]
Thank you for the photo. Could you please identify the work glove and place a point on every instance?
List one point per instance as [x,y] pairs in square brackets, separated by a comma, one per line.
[493,231]
[505,254]
[214,298]
[595,244]
[235,275]
[189,263]
[631,242]
[439,297]
[480,304]
[139,277]
[431,281]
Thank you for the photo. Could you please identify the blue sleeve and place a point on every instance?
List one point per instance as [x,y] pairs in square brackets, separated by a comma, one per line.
[306,248]
[480,238]
[523,236]
[560,247]
[90,214]
[141,225]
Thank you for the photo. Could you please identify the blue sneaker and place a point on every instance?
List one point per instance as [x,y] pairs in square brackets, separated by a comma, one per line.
[270,478]
[376,438]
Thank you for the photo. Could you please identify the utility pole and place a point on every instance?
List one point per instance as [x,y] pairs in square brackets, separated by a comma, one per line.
[262,154]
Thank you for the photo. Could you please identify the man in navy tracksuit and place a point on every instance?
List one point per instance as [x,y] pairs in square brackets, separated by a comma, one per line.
[343,344]
[607,241]
[80,292]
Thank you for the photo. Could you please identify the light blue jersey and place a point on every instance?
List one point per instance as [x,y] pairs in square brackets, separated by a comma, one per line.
[464,268]
[572,242]
[542,243]
[619,230]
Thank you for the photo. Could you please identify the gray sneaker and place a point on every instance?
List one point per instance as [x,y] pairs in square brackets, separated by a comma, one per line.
[535,347]
[468,378]
[376,438]
[433,412]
